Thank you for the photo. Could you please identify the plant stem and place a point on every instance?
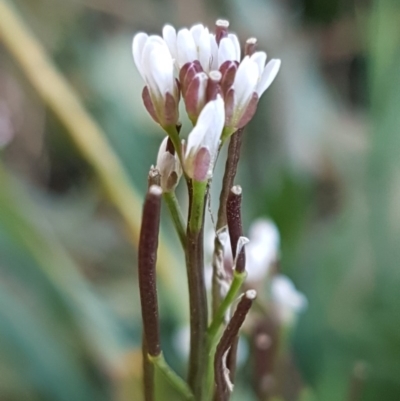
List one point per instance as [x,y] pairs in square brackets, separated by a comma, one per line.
[229,175]
[198,203]
[148,373]
[227,183]
[218,319]
[197,291]
[176,382]
[238,279]
[176,215]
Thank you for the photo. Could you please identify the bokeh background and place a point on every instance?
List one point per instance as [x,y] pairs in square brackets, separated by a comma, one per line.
[321,158]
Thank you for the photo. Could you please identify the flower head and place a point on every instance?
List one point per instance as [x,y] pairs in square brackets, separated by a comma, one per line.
[287,300]
[199,44]
[263,249]
[156,66]
[168,166]
[251,79]
[203,141]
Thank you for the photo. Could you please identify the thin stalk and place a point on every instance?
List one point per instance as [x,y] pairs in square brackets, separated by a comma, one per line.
[197,291]
[173,134]
[223,385]
[232,161]
[148,373]
[215,326]
[198,203]
[238,279]
[174,380]
[227,183]
[176,215]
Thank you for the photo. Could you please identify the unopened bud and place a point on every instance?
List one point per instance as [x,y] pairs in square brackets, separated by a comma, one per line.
[168,166]
[213,86]
[250,46]
[221,29]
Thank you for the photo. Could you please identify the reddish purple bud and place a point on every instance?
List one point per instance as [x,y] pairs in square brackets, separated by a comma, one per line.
[250,46]
[249,111]
[148,103]
[201,164]
[213,86]
[170,110]
[187,73]
[221,30]
[229,106]
[228,70]
[195,96]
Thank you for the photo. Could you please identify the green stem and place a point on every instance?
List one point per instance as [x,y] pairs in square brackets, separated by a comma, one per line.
[176,382]
[197,209]
[148,374]
[238,279]
[197,290]
[173,134]
[212,332]
[176,215]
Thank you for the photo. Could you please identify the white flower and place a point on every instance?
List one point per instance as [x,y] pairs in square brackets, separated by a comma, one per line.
[263,249]
[168,166]
[203,141]
[287,300]
[156,66]
[198,44]
[252,79]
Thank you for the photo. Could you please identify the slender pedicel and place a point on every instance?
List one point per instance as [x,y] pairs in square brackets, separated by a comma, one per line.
[223,385]
[234,220]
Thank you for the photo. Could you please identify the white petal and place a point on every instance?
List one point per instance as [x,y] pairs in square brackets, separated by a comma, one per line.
[161,150]
[270,72]
[234,39]
[186,47]
[260,58]
[158,68]
[138,44]
[214,52]
[207,132]
[245,82]
[204,48]
[169,35]
[284,293]
[263,249]
[196,31]
[226,51]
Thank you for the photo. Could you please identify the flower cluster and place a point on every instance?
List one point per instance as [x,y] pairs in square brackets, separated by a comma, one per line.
[220,86]
[220,89]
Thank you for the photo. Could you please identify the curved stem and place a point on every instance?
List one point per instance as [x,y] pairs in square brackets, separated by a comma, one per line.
[238,279]
[174,380]
[176,215]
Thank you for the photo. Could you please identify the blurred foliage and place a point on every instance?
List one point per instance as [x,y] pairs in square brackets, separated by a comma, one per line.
[320,158]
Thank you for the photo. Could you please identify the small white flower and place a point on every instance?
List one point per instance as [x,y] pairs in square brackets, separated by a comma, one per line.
[287,300]
[252,79]
[203,141]
[263,249]
[156,66]
[198,44]
[168,166]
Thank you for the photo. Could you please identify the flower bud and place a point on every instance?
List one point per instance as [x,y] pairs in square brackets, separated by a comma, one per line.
[156,66]
[203,141]
[251,80]
[168,166]
[195,95]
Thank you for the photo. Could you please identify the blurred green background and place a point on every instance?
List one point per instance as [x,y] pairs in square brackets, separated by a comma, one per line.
[321,158]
